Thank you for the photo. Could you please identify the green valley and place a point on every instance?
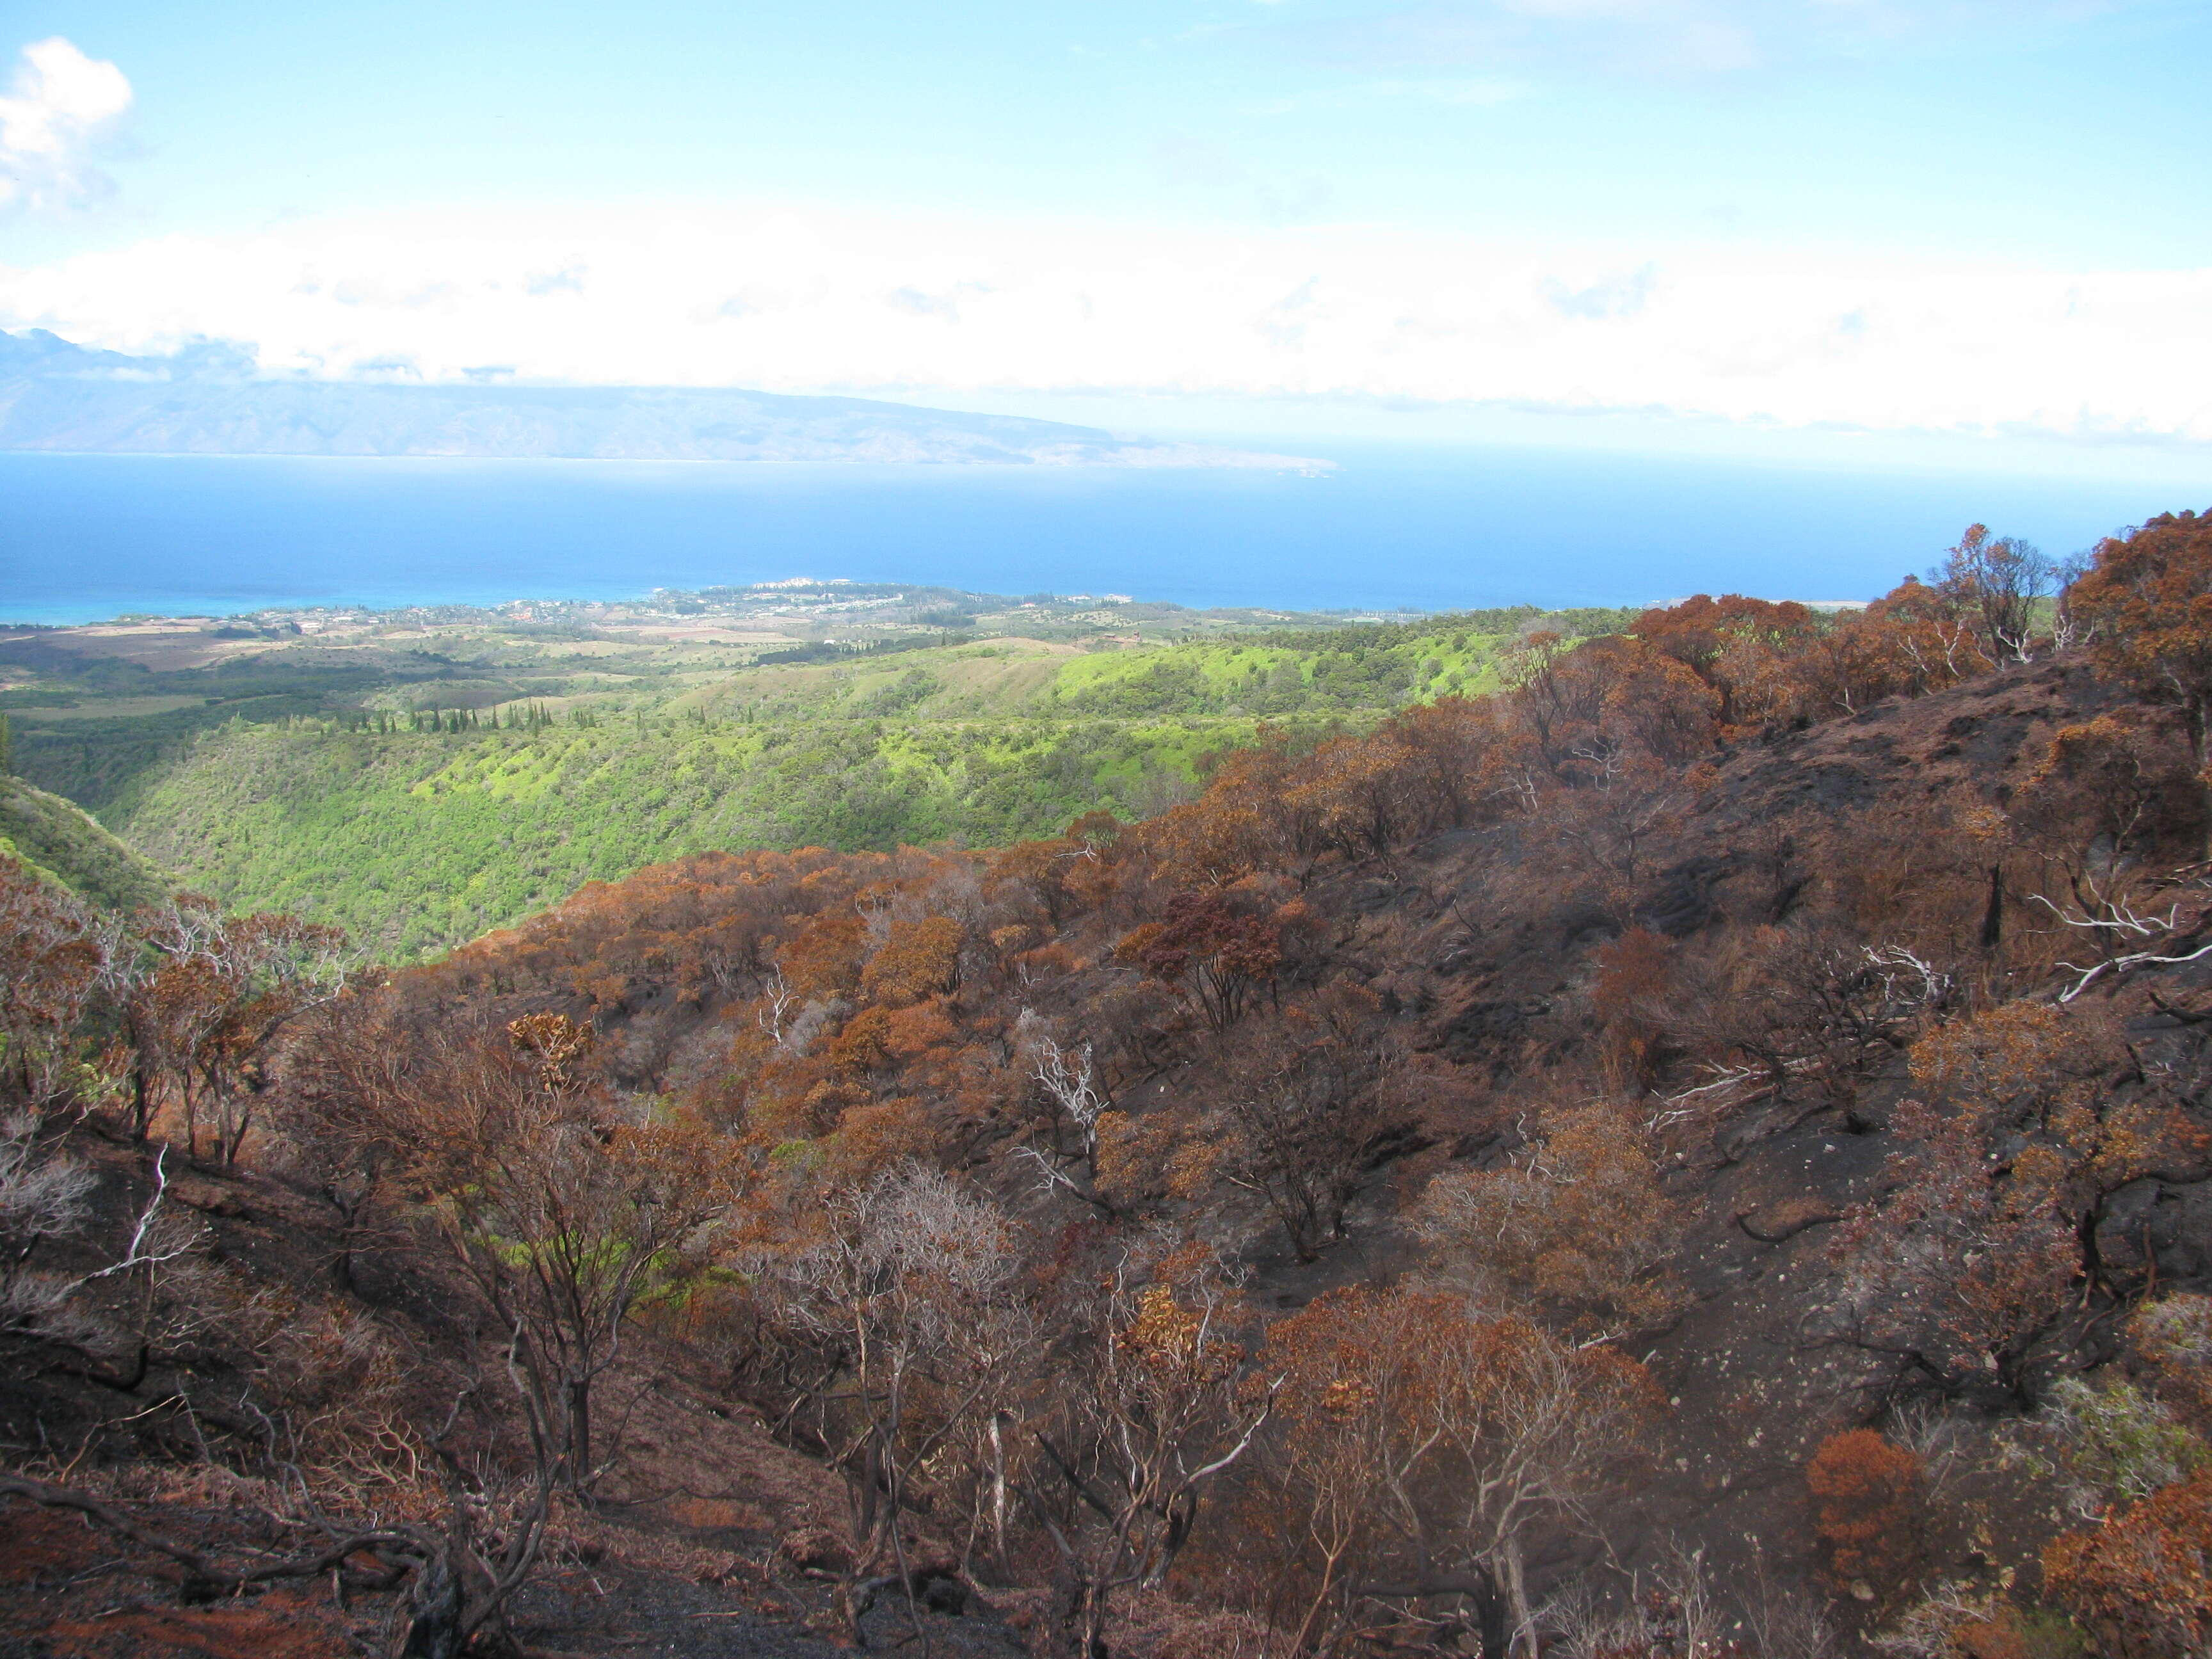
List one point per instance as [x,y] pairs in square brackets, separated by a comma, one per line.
[65,845]
[420,777]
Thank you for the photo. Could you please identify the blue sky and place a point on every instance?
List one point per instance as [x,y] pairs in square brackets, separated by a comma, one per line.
[1803,217]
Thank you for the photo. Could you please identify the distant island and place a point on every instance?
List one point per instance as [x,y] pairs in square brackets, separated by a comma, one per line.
[206,399]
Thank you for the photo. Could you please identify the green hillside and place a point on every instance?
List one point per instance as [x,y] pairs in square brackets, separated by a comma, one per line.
[1343,671]
[420,782]
[418,841]
[64,843]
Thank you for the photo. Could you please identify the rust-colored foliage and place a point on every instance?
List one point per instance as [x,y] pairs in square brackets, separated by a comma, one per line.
[219,993]
[1976,1261]
[556,1041]
[1996,582]
[1630,970]
[1162,1407]
[1141,1161]
[1718,639]
[2143,1581]
[568,1212]
[1037,871]
[1577,1223]
[1779,664]
[1410,1424]
[1357,968]
[2116,802]
[917,959]
[1868,1499]
[1633,974]
[826,955]
[1588,710]
[50,961]
[1224,953]
[2174,1335]
[1299,1114]
[2147,604]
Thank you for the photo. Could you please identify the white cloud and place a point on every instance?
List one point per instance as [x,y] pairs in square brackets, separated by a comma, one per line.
[62,104]
[1673,37]
[1485,90]
[1458,91]
[815,301]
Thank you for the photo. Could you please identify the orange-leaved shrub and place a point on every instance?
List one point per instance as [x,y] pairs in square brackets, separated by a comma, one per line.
[1868,1497]
[2143,1581]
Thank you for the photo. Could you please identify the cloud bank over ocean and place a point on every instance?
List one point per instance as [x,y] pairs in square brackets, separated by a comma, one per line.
[818,300]
[206,400]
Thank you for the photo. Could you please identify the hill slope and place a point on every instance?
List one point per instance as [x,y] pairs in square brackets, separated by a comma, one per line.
[419,786]
[1707,1150]
[417,843]
[61,840]
[1681,1074]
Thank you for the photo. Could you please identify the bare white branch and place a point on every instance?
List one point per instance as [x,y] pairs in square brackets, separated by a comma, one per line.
[1933,986]
[1050,1176]
[135,1255]
[2122,918]
[776,998]
[2122,964]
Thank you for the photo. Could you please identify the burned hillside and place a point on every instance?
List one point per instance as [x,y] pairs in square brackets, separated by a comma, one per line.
[1704,1152]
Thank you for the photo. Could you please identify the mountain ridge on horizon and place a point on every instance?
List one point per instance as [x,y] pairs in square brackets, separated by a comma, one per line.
[205,399]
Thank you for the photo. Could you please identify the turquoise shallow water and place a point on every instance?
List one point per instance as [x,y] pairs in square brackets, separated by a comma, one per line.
[86,537]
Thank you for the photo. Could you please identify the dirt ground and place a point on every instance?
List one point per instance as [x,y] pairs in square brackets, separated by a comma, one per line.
[625,1585]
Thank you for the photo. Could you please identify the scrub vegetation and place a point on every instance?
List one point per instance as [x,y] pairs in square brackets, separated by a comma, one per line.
[1699,1149]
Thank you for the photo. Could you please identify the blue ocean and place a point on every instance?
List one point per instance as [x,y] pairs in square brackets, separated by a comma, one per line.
[88,536]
